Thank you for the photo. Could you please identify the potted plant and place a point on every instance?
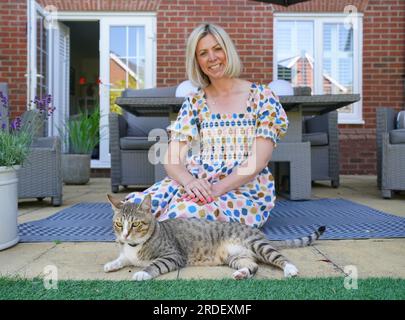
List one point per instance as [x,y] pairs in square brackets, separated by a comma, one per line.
[15,141]
[81,136]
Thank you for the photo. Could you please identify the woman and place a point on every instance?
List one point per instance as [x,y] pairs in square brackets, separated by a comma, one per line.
[214,169]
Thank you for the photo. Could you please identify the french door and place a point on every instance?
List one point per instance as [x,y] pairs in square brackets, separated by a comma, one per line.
[48,63]
[127,60]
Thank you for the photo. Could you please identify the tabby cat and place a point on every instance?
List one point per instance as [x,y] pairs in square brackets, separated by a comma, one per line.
[161,247]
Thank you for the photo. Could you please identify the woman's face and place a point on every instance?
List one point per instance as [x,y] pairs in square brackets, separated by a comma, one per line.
[211,57]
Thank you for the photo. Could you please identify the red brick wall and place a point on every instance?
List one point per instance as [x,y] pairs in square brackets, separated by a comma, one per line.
[13,52]
[383,81]
[250,24]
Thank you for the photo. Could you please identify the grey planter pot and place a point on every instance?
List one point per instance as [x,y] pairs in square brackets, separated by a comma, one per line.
[76,168]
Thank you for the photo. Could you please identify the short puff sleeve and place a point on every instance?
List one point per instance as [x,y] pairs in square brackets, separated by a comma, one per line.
[271,120]
[185,127]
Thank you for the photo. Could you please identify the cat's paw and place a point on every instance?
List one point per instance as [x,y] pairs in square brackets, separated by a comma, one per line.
[243,273]
[141,276]
[112,266]
[290,270]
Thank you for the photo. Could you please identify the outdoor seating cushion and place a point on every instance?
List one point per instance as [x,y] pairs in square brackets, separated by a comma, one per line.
[141,126]
[136,143]
[397,136]
[401,120]
[316,124]
[150,93]
[316,138]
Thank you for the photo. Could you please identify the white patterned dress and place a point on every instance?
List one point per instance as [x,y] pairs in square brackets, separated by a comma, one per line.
[219,142]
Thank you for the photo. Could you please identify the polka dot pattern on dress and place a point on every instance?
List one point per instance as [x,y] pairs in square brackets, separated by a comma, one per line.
[224,140]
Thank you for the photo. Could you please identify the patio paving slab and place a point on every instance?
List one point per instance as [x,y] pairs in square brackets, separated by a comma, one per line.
[17,258]
[76,261]
[307,260]
[371,257]
[85,260]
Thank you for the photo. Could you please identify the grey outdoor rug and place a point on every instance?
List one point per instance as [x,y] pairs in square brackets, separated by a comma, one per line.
[290,219]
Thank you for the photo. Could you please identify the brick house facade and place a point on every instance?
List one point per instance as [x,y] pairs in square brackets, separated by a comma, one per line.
[250,25]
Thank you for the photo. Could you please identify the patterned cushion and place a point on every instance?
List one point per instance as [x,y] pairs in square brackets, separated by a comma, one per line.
[401,120]
[316,138]
[397,136]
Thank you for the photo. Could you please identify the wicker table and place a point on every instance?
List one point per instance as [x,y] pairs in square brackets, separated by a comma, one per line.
[291,150]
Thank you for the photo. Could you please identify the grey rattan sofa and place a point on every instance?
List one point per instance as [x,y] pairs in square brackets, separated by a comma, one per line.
[390,153]
[322,132]
[40,176]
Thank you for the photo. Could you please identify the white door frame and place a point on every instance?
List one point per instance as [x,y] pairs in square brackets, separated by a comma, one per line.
[111,18]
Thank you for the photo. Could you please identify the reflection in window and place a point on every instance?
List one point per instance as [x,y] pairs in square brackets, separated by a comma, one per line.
[337,58]
[127,60]
[295,52]
[295,45]
[42,58]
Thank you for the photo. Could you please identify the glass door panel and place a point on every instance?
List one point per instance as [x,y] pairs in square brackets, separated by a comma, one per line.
[127,61]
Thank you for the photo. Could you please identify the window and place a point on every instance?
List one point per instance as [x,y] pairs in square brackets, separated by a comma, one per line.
[41,57]
[127,60]
[323,52]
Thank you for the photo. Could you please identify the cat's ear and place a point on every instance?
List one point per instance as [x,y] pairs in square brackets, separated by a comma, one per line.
[115,202]
[146,203]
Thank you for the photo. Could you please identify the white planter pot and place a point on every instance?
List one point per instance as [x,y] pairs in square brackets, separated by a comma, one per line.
[8,207]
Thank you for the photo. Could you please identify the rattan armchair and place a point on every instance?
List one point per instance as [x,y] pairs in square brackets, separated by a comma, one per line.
[130,150]
[40,176]
[390,153]
[322,132]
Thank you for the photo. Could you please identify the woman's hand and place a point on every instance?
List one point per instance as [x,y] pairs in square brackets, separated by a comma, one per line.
[216,190]
[198,189]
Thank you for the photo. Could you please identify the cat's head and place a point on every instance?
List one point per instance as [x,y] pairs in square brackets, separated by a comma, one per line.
[132,223]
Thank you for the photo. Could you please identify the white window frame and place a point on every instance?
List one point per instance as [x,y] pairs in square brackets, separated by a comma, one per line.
[355,117]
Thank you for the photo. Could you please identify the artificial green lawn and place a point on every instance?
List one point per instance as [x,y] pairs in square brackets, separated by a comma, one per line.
[298,288]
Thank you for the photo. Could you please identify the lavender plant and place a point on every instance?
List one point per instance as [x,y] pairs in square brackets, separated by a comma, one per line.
[16,135]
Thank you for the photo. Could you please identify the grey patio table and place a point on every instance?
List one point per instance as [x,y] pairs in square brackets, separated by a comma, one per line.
[291,149]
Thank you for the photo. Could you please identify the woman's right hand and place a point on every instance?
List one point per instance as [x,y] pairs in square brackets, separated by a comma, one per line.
[198,189]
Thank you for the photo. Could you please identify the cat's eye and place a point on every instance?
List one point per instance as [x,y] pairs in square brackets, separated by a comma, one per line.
[136,224]
[118,224]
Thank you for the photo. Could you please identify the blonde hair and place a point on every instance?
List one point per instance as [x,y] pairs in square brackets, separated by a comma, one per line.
[194,72]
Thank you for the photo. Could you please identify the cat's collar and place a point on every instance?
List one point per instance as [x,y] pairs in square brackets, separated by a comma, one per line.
[132,244]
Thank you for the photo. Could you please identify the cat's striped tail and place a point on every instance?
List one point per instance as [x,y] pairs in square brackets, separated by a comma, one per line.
[300,242]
